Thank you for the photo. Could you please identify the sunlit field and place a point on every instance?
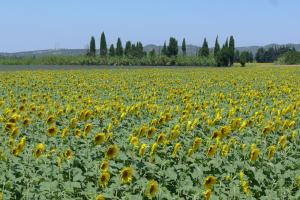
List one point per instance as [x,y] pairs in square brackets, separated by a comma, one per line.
[150,133]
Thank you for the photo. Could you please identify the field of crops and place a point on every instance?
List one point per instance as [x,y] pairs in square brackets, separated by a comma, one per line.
[177,133]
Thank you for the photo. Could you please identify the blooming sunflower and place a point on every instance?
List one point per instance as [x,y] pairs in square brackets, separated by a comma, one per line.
[52,131]
[104,165]
[207,194]
[112,151]
[142,149]
[271,151]
[282,141]
[99,138]
[68,154]
[211,150]
[254,154]
[196,143]
[209,182]
[39,150]
[104,179]
[161,138]
[152,189]
[100,197]
[134,141]
[176,148]
[126,175]
[87,129]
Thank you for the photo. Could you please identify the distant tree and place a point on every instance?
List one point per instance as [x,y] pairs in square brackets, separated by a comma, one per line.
[173,47]
[152,53]
[164,50]
[92,46]
[243,58]
[183,47]
[112,50]
[204,51]
[231,50]
[237,56]
[217,47]
[103,45]
[140,50]
[119,49]
[127,50]
[224,55]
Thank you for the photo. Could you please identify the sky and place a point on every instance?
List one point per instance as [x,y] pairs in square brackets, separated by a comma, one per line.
[49,24]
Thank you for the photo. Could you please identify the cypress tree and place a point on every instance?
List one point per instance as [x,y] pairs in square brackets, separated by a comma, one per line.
[112,50]
[217,47]
[183,47]
[127,50]
[92,46]
[173,47]
[231,50]
[204,51]
[164,50]
[119,49]
[103,45]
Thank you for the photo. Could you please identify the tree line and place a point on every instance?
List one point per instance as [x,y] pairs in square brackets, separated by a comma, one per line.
[224,56]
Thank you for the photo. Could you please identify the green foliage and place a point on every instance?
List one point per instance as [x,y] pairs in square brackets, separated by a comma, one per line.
[173,47]
[290,58]
[243,58]
[271,54]
[231,50]
[103,45]
[128,49]
[119,49]
[112,50]
[204,51]
[92,51]
[183,47]
[217,47]
[164,50]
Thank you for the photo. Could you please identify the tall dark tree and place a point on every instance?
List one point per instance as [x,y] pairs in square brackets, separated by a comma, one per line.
[164,50]
[127,50]
[119,49]
[173,47]
[103,45]
[183,47]
[217,47]
[231,50]
[223,57]
[112,51]
[204,51]
[92,46]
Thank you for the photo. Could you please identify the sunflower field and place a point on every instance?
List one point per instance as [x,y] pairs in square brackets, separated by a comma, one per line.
[150,133]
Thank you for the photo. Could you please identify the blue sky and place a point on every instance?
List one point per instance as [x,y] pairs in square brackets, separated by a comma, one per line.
[43,24]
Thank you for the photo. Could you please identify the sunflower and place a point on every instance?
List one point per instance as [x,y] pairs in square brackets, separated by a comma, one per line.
[77,133]
[271,151]
[254,154]
[9,126]
[99,138]
[134,141]
[209,182]
[245,187]
[151,131]
[225,150]
[112,151]
[100,197]
[14,132]
[26,122]
[64,132]
[104,179]
[142,149]
[87,129]
[15,151]
[52,131]
[39,150]
[161,138]
[282,141]
[153,149]
[176,148]
[73,123]
[152,189]
[207,194]
[104,165]
[126,175]
[68,154]
[211,150]
[196,143]
[50,119]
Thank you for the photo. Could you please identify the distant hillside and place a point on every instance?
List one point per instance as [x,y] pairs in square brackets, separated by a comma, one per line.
[191,50]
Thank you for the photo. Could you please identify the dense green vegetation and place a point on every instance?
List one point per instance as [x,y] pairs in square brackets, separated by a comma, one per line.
[290,58]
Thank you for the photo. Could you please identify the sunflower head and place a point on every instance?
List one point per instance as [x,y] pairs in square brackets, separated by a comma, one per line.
[134,141]
[87,128]
[104,165]
[209,182]
[104,179]
[152,189]
[126,175]
[68,154]
[50,119]
[39,150]
[207,194]
[161,138]
[112,151]
[52,131]
[26,122]
[99,138]
[254,154]
[100,197]
[142,149]
[211,150]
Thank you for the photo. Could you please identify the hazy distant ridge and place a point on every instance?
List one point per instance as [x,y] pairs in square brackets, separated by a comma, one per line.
[191,50]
